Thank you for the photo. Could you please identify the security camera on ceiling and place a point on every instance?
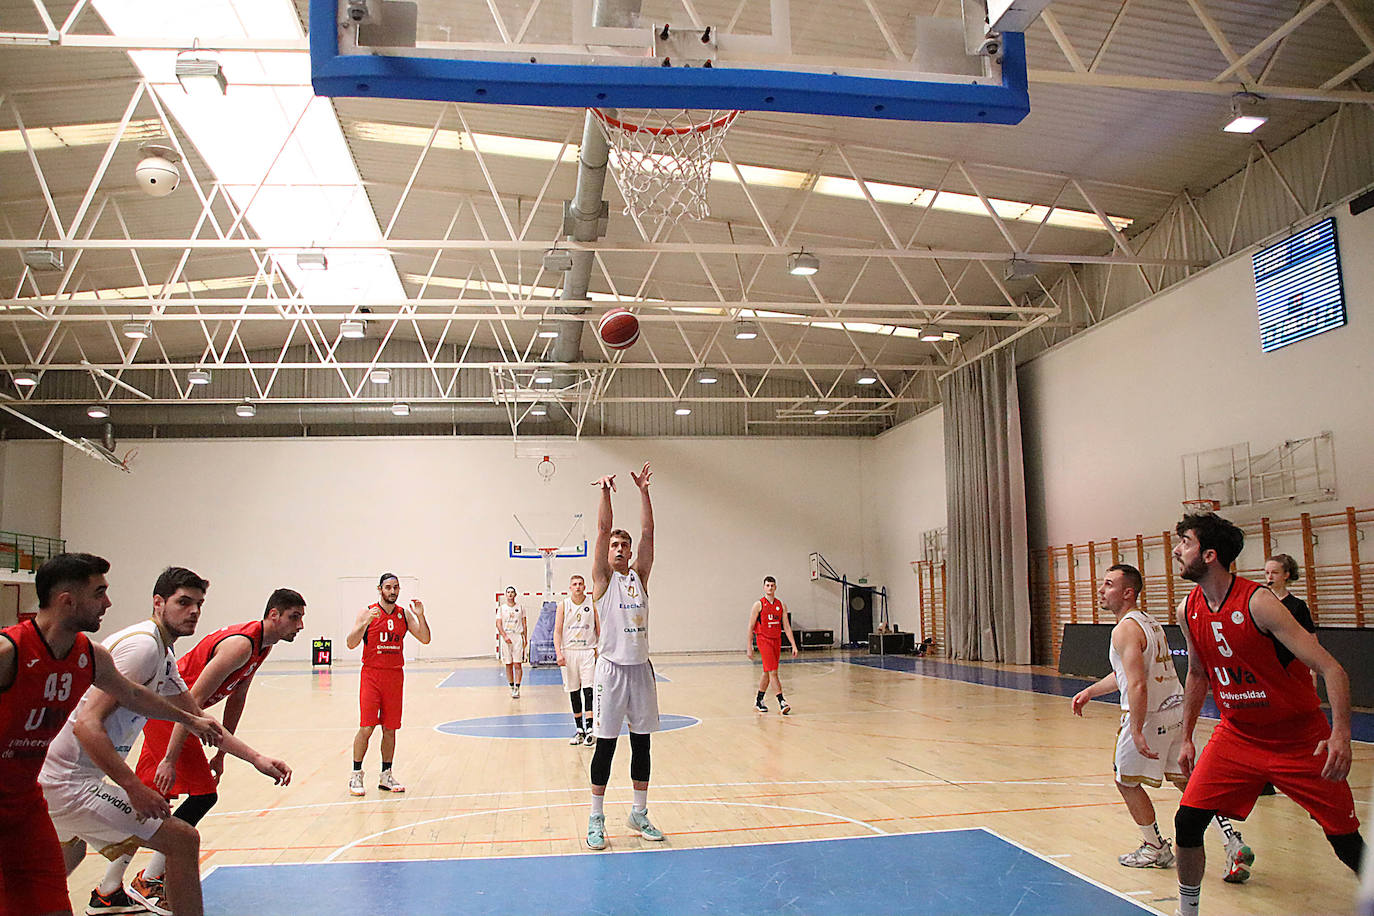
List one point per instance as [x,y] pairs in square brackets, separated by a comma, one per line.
[157,173]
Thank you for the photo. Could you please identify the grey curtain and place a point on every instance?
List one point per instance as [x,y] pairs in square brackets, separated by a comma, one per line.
[985,488]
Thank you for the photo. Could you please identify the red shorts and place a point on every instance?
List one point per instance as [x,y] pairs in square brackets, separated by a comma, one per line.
[379,699]
[193,769]
[1231,772]
[770,649]
[32,877]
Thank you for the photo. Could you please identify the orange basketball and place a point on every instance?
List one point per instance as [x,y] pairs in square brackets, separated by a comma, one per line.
[618,328]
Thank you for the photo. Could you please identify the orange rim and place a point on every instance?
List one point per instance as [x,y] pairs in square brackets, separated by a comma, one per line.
[661,131]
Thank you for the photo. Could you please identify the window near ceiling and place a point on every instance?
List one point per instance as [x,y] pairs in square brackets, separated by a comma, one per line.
[1298,287]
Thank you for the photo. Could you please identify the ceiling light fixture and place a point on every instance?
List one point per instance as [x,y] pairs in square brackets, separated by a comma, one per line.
[137,330]
[24,378]
[867,377]
[931,334]
[42,259]
[821,411]
[538,410]
[198,377]
[98,412]
[682,410]
[706,376]
[746,330]
[547,330]
[379,376]
[246,410]
[311,260]
[1247,115]
[1019,269]
[353,329]
[543,377]
[558,260]
[200,76]
[802,263]
[400,410]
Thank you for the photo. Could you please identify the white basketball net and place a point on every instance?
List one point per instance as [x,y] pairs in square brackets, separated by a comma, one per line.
[661,160]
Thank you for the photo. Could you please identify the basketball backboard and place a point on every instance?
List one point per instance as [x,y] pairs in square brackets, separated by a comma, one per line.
[548,535]
[862,59]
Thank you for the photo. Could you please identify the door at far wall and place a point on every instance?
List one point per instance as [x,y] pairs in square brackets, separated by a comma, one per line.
[357,592]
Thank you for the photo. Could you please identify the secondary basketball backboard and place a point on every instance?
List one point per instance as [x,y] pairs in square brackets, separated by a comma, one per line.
[548,535]
[862,59]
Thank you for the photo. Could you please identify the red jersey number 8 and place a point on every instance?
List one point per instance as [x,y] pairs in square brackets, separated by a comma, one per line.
[1224,649]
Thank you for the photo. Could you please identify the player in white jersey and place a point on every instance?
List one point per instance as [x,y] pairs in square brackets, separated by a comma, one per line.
[1151,731]
[118,818]
[574,644]
[511,644]
[625,688]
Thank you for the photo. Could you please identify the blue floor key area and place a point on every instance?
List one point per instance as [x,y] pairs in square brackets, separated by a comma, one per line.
[539,725]
[951,873]
[496,677]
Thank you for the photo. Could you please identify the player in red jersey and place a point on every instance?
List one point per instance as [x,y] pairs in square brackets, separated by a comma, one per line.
[1245,645]
[382,628]
[767,622]
[46,665]
[220,667]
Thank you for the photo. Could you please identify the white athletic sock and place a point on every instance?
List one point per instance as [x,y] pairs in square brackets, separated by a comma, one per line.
[114,874]
[1188,897]
[641,802]
[1151,834]
[599,804]
[157,866]
[1228,832]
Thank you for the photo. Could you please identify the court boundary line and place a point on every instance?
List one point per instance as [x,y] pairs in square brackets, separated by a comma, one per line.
[1077,874]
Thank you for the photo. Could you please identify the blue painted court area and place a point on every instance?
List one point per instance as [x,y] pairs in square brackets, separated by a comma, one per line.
[1361,723]
[951,873]
[496,677]
[540,725]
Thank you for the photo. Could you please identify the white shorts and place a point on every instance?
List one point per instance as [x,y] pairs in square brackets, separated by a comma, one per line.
[512,653]
[625,692]
[580,670]
[99,813]
[1163,733]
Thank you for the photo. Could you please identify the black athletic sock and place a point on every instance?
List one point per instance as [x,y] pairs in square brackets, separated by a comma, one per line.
[386,765]
[759,698]
[781,700]
[357,765]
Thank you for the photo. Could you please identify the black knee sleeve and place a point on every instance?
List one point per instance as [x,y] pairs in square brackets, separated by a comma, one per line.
[1190,824]
[576,699]
[195,807]
[639,757]
[601,761]
[587,699]
[1349,848]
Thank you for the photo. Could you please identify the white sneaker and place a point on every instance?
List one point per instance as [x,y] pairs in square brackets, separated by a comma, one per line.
[577,738]
[515,691]
[355,783]
[387,782]
[1148,856]
[590,739]
[1239,858]
[639,823]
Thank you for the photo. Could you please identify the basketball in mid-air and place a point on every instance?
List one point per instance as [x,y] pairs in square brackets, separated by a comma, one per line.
[618,328]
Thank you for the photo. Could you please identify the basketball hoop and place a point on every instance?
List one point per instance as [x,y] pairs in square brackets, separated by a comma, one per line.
[546,469]
[662,160]
[1201,506]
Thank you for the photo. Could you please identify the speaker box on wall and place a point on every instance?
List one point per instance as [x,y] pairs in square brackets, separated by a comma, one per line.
[860,614]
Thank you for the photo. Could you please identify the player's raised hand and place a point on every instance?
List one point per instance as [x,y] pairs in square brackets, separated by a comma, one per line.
[642,478]
[605,483]
[418,606]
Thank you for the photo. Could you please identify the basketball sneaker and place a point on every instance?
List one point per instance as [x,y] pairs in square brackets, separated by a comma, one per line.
[1239,858]
[639,823]
[355,783]
[1148,856]
[150,893]
[759,707]
[118,902]
[590,739]
[387,782]
[578,737]
[785,707]
[596,831]
[515,691]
